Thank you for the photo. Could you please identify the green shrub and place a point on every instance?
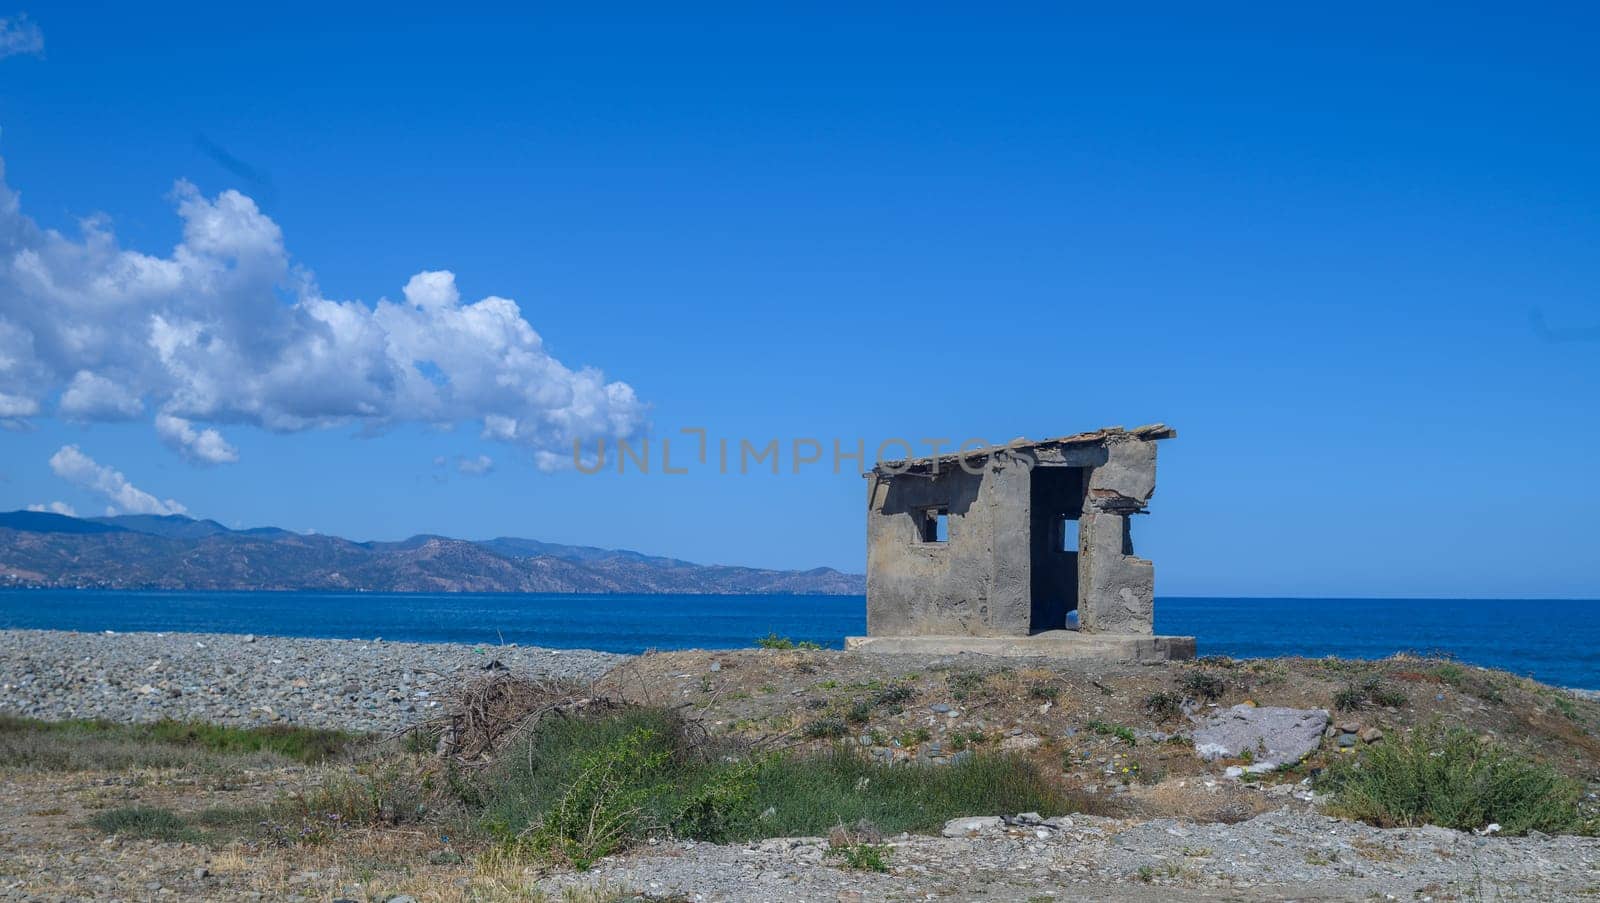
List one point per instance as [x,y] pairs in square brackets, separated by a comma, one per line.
[826,728]
[964,683]
[576,788]
[860,712]
[534,772]
[144,822]
[1386,696]
[1120,731]
[1353,696]
[894,695]
[808,795]
[377,792]
[914,736]
[863,856]
[1456,780]
[720,808]
[1162,705]
[80,745]
[299,743]
[602,809]
[1349,698]
[1201,685]
[1044,692]
[216,826]
[773,641]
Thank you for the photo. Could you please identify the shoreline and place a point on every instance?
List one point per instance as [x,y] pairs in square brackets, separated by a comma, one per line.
[247,679]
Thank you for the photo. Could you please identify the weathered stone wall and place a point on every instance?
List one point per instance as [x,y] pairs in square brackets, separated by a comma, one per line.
[976,584]
[1116,589]
[999,573]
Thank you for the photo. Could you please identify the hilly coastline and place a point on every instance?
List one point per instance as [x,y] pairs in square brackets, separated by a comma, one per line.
[180,553]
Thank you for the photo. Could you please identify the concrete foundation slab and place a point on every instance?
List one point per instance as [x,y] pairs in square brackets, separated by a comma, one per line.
[1068,645]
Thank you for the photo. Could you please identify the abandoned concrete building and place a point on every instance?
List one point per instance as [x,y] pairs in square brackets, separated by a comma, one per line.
[1023,549]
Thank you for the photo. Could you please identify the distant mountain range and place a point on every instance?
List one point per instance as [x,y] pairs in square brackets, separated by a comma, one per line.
[174,552]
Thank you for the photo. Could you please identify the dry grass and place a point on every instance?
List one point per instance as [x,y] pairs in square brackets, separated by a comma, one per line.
[485,714]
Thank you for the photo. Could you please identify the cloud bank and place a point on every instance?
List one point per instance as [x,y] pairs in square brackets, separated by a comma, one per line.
[80,470]
[55,508]
[228,330]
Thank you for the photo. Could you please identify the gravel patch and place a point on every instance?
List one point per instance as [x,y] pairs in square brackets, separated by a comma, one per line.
[359,685]
[1285,854]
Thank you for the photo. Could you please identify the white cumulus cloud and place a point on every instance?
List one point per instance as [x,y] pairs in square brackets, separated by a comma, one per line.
[475,467]
[77,468]
[204,446]
[55,508]
[91,397]
[227,330]
[20,37]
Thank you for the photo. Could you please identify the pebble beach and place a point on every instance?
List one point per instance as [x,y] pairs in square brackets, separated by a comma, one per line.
[356,685]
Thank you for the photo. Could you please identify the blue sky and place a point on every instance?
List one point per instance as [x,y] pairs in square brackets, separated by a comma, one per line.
[1352,258]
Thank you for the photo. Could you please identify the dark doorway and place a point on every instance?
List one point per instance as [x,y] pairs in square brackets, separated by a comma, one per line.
[1055,500]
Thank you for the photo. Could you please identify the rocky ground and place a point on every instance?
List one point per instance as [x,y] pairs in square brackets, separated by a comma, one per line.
[1122,737]
[357,685]
[1290,853]
[1155,819]
[1287,854]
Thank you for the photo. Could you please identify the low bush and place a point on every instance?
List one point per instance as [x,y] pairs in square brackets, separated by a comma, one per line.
[1120,731]
[866,857]
[381,791]
[1044,692]
[965,683]
[82,745]
[894,695]
[302,744]
[827,728]
[1453,779]
[601,810]
[1354,696]
[577,788]
[1201,685]
[1163,706]
[145,823]
[217,826]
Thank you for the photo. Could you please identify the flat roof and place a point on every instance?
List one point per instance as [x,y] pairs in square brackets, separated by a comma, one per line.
[1147,433]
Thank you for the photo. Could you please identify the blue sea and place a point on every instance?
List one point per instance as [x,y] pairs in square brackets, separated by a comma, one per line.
[1552,640]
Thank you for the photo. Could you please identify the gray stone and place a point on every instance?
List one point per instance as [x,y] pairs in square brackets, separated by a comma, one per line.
[967,827]
[1270,735]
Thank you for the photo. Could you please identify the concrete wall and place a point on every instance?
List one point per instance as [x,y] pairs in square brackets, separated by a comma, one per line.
[1116,589]
[976,584]
[999,574]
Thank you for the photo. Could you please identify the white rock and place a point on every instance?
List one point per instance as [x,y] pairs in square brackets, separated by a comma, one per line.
[966,827]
